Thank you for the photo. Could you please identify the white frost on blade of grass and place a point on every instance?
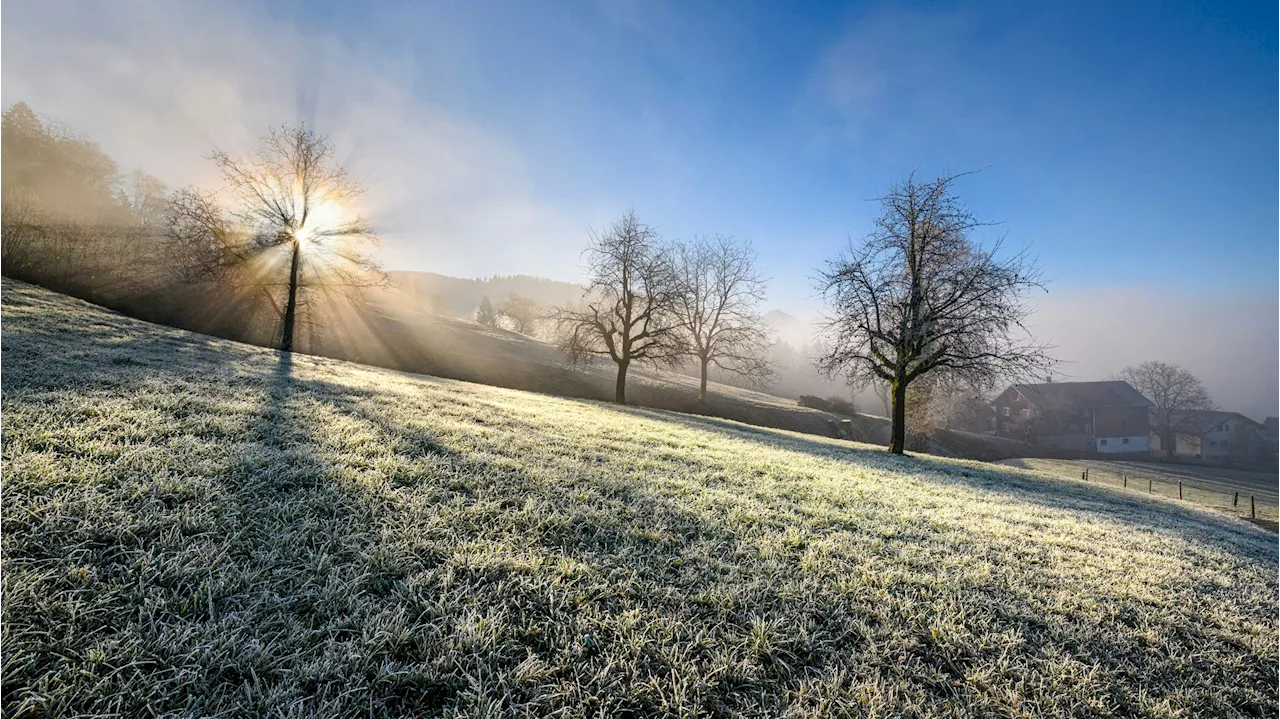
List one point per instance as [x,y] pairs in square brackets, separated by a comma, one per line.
[196,527]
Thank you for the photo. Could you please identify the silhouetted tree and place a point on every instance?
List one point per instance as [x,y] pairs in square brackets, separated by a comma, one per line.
[290,229]
[485,314]
[918,297]
[628,309]
[1174,391]
[717,308]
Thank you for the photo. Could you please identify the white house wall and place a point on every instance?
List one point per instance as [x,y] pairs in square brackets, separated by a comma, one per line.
[1117,445]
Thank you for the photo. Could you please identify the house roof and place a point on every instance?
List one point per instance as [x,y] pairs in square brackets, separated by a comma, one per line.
[1201,421]
[1112,393]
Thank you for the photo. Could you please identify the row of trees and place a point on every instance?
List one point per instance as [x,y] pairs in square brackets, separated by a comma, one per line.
[916,299]
[666,303]
[70,218]
[281,239]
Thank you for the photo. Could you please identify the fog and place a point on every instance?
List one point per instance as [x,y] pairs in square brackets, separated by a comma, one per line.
[160,85]
[1228,340]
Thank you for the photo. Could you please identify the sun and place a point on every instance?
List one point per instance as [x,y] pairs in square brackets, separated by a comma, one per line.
[325,221]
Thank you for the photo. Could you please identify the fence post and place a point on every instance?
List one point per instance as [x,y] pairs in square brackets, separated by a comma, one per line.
[1124,480]
[1235,501]
[1253,510]
[1179,489]
[1149,481]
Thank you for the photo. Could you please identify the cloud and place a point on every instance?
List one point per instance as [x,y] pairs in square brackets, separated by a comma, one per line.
[159,85]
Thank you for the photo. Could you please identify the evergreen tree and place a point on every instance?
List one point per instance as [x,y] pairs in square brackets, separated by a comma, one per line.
[486,315]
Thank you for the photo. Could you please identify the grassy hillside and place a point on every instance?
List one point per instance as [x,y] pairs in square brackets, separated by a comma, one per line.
[193,527]
[398,337]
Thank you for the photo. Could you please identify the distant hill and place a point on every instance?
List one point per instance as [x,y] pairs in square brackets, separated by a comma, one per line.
[459,297]
[789,328]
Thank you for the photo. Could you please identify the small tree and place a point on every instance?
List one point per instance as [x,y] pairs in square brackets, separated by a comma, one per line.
[485,314]
[918,297]
[522,312]
[628,309]
[290,230]
[1174,391]
[717,308]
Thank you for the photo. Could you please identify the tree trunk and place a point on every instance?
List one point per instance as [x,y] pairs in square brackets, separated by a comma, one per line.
[620,389]
[702,387]
[291,309]
[898,429]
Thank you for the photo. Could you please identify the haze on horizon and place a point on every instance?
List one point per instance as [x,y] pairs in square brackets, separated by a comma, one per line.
[1133,148]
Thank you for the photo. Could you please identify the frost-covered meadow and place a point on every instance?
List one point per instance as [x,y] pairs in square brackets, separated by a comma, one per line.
[193,527]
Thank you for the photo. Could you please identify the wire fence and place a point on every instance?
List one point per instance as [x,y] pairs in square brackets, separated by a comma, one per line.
[1243,500]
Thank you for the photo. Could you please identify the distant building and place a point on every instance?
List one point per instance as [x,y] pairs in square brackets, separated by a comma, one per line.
[1271,425]
[1214,436]
[1088,416]
[1270,452]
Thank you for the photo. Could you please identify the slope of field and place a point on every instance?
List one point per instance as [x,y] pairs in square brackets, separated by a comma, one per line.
[1211,486]
[397,337]
[193,527]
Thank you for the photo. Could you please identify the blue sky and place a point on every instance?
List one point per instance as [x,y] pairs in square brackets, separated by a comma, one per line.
[1126,142]
[1133,146]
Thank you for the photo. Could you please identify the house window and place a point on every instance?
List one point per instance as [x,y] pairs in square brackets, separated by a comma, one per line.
[1075,428]
[1088,429]
[1024,412]
[1124,441]
[1213,443]
[1102,442]
[1006,411]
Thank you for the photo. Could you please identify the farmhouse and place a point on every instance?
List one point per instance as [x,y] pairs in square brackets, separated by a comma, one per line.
[1271,427]
[1089,416]
[1213,436]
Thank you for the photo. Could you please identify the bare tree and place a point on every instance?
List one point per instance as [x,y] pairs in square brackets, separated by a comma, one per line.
[1174,391]
[627,314]
[522,312]
[918,297]
[145,198]
[717,308]
[290,229]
